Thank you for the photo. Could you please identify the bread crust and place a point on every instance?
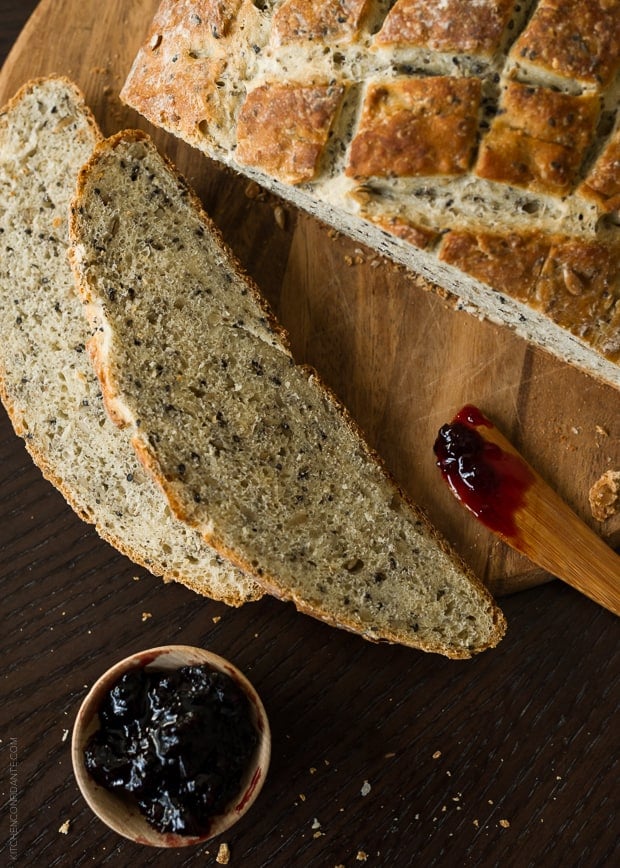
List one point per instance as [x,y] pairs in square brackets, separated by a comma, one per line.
[454,118]
[603,182]
[451,26]
[577,39]
[539,139]
[513,264]
[405,124]
[284,128]
[334,21]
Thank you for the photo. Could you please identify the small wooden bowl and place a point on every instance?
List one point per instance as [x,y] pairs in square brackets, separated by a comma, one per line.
[121,813]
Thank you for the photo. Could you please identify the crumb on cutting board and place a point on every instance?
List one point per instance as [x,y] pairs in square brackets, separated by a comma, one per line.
[604,495]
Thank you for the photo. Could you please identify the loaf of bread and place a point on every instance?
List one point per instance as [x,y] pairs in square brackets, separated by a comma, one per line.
[476,142]
[250,448]
[46,381]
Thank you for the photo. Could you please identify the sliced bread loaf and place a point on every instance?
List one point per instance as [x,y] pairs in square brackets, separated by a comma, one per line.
[475,142]
[250,448]
[46,381]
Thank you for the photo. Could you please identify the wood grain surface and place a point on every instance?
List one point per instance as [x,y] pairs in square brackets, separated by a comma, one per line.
[381,756]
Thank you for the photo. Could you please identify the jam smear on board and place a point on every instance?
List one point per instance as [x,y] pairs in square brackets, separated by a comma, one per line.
[177,741]
[490,482]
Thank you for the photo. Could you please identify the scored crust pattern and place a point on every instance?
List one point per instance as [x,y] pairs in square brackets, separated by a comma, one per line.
[483,132]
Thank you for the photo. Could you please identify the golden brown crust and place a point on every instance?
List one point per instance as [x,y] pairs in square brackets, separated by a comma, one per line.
[603,182]
[579,285]
[551,116]
[575,283]
[419,236]
[607,341]
[510,264]
[539,139]
[333,21]
[406,123]
[451,26]
[187,71]
[576,39]
[283,128]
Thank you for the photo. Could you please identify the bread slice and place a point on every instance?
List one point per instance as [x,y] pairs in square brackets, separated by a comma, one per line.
[250,448]
[46,381]
[472,142]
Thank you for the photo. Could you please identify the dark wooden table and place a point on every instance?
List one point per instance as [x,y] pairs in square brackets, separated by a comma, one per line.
[381,756]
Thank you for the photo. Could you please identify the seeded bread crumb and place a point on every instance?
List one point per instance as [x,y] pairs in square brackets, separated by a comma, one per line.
[46,382]
[250,448]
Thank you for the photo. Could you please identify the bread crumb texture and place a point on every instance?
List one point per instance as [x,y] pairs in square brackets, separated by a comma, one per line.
[223,854]
[251,449]
[604,496]
[406,123]
[46,381]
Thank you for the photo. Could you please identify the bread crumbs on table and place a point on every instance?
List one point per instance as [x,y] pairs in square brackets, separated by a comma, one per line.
[437,754]
[505,824]
[146,616]
[223,855]
[252,190]
[64,829]
[279,215]
[216,619]
[361,856]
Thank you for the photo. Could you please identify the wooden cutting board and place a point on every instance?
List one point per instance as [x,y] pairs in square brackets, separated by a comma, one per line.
[397,355]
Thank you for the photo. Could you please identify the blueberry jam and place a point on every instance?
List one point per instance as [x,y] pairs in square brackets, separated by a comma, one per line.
[177,741]
[490,482]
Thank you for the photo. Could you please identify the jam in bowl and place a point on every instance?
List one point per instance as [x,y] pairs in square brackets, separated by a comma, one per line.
[171,746]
